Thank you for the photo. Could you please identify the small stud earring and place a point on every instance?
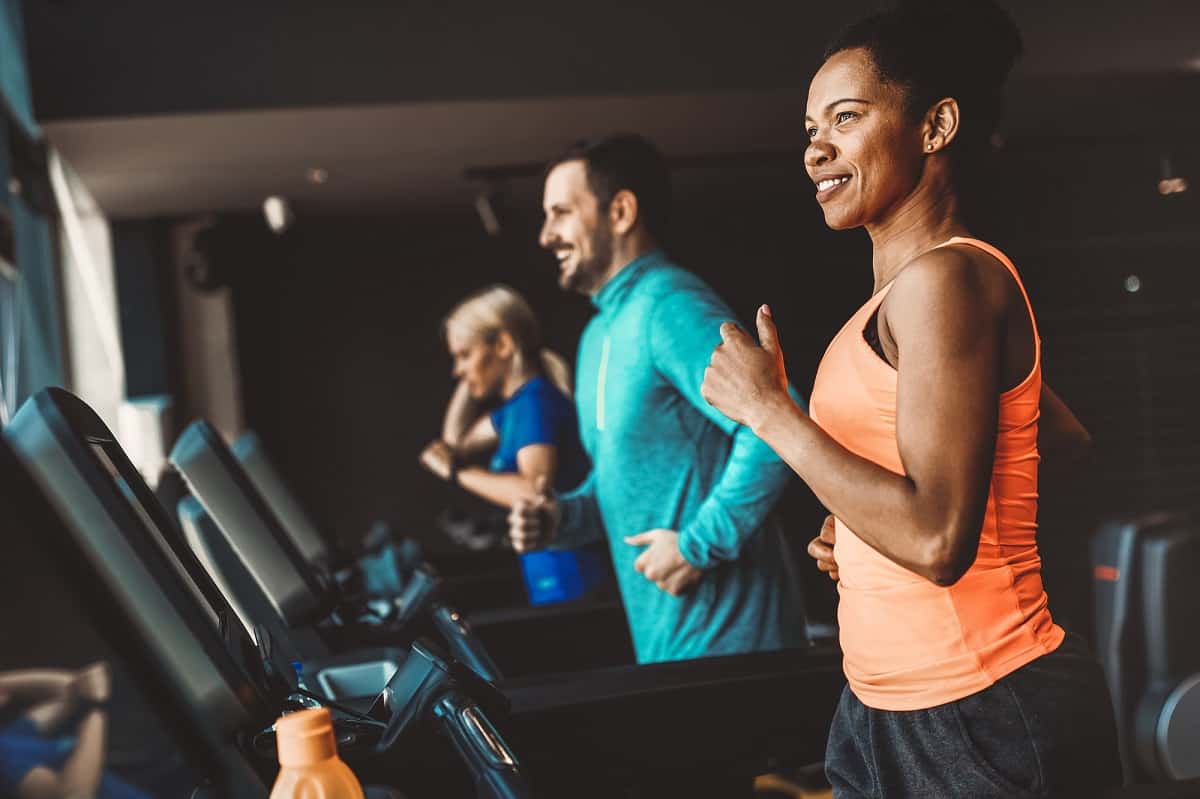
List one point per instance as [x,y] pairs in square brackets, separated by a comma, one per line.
[929,146]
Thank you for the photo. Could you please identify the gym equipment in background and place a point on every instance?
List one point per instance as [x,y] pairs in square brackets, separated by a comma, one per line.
[226,686]
[1147,599]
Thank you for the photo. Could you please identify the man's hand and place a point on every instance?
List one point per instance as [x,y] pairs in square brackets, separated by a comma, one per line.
[533,523]
[820,549]
[662,563]
[438,458]
[743,378]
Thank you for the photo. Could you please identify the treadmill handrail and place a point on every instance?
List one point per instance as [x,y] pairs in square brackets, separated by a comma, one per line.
[464,645]
[493,766]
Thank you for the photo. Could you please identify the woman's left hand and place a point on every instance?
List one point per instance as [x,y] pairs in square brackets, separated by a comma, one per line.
[438,458]
[744,378]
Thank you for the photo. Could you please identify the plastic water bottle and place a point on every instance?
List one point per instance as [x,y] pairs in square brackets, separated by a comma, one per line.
[309,766]
[302,697]
[298,667]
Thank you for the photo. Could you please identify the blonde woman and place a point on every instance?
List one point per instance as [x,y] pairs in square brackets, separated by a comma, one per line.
[532,435]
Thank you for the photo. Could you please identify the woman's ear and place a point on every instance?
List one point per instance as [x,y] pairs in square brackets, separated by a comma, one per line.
[941,125]
[505,346]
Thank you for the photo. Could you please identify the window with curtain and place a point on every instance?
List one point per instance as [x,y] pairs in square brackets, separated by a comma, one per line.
[90,309]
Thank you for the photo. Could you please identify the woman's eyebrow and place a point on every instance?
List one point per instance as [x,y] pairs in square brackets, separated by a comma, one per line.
[835,103]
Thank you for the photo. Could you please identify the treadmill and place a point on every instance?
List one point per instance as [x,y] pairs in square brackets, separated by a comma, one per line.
[352,678]
[223,683]
[254,557]
[69,541]
[1146,599]
[195,693]
[588,632]
[473,581]
[623,726]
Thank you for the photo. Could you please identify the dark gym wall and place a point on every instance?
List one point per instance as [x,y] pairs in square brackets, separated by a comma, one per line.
[145,293]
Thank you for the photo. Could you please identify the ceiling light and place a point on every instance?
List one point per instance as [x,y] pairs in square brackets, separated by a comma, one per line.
[278,212]
[316,175]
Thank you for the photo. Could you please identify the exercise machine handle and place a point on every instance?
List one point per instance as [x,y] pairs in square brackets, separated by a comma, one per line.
[418,594]
[464,645]
[493,766]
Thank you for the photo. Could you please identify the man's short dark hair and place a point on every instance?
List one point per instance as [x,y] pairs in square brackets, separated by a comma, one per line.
[625,161]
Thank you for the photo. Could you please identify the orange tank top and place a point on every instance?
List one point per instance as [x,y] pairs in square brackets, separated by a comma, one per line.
[907,642]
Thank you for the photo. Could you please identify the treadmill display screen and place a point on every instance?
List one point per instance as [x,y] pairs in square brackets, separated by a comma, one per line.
[185,577]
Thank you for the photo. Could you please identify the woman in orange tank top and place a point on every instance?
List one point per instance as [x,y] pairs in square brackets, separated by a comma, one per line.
[928,421]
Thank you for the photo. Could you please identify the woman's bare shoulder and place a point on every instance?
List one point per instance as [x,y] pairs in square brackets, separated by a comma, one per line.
[947,283]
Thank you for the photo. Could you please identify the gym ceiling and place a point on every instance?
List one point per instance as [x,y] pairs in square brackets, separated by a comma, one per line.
[171,108]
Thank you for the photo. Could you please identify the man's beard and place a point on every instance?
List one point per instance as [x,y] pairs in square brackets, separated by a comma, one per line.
[588,275]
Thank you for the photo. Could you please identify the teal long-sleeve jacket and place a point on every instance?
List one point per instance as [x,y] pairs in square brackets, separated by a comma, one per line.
[664,458]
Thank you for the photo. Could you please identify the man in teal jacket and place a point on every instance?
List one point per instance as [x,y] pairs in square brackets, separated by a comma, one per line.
[683,494]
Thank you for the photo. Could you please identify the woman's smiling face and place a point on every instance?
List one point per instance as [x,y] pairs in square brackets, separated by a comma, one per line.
[864,152]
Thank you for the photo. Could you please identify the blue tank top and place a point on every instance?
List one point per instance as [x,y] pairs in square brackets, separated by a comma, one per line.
[538,413]
[22,749]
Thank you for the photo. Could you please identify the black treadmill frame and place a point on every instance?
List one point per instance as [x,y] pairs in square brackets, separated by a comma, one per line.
[28,509]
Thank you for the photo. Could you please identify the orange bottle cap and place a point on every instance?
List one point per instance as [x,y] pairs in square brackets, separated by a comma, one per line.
[305,738]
